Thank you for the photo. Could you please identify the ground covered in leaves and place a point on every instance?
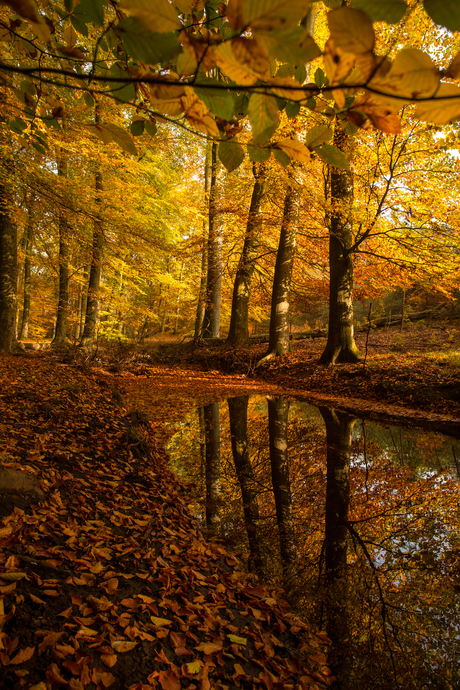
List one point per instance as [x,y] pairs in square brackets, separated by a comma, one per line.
[409,377]
[106,580]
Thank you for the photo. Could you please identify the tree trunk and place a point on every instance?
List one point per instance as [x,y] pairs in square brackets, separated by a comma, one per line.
[238,335]
[341,346]
[211,319]
[238,409]
[278,342]
[339,428]
[8,275]
[92,299]
[213,491]
[29,240]
[278,414]
[60,333]
[200,309]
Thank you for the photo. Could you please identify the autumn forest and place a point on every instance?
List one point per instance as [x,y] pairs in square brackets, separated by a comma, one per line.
[212,214]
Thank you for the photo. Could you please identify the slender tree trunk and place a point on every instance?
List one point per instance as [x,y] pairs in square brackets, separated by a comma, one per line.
[92,300]
[177,315]
[8,275]
[238,335]
[339,428]
[213,490]
[341,346]
[279,316]
[29,240]
[278,414]
[403,309]
[238,409]
[211,319]
[204,253]
[60,333]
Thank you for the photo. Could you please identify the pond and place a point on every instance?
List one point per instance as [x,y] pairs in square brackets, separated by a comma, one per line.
[358,522]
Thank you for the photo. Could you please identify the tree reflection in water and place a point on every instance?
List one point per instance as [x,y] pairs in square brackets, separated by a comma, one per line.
[375,513]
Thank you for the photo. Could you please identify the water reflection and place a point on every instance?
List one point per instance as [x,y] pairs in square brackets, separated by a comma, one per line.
[358,522]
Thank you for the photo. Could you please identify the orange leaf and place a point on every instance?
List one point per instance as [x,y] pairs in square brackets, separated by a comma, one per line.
[48,640]
[109,659]
[23,655]
[123,645]
[169,680]
[209,648]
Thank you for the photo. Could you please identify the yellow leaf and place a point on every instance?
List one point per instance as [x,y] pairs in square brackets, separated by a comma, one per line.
[412,74]
[86,632]
[159,16]
[351,30]
[236,639]
[287,87]
[160,621]
[227,62]
[294,149]
[266,15]
[442,109]
[194,666]
[382,117]
[13,577]
[337,62]
[251,54]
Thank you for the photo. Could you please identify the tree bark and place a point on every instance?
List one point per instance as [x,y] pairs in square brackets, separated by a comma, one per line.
[213,489]
[238,335]
[278,414]
[29,240]
[211,319]
[92,299]
[278,342]
[60,333]
[341,346]
[238,409]
[200,309]
[8,274]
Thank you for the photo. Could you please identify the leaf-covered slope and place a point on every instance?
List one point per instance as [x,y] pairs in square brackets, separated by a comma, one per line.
[108,582]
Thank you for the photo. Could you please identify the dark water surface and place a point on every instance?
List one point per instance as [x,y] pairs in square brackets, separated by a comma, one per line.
[360,523]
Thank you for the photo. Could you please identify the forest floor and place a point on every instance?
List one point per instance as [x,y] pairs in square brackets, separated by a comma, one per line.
[106,579]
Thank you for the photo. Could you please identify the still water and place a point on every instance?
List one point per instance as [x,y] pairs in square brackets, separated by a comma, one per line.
[359,523]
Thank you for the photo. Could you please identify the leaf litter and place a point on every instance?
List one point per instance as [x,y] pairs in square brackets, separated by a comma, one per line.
[108,582]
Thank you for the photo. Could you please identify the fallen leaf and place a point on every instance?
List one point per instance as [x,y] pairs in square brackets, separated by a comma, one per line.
[123,645]
[23,655]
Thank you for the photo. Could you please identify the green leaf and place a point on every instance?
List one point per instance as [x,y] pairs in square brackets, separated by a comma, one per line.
[301,74]
[320,78]
[258,154]
[241,105]
[292,109]
[137,127]
[333,4]
[218,100]
[121,91]
[263,116]
[146,46]
[294,46]
[444,12]
[281,157]
[389,11]
[158,16]
[231,153]
[90,11]
[332,156]
[121,137]
[38,147]
[266,15]
[318,135]
[28,87]
[79,25]
[151,128]
[89,100]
